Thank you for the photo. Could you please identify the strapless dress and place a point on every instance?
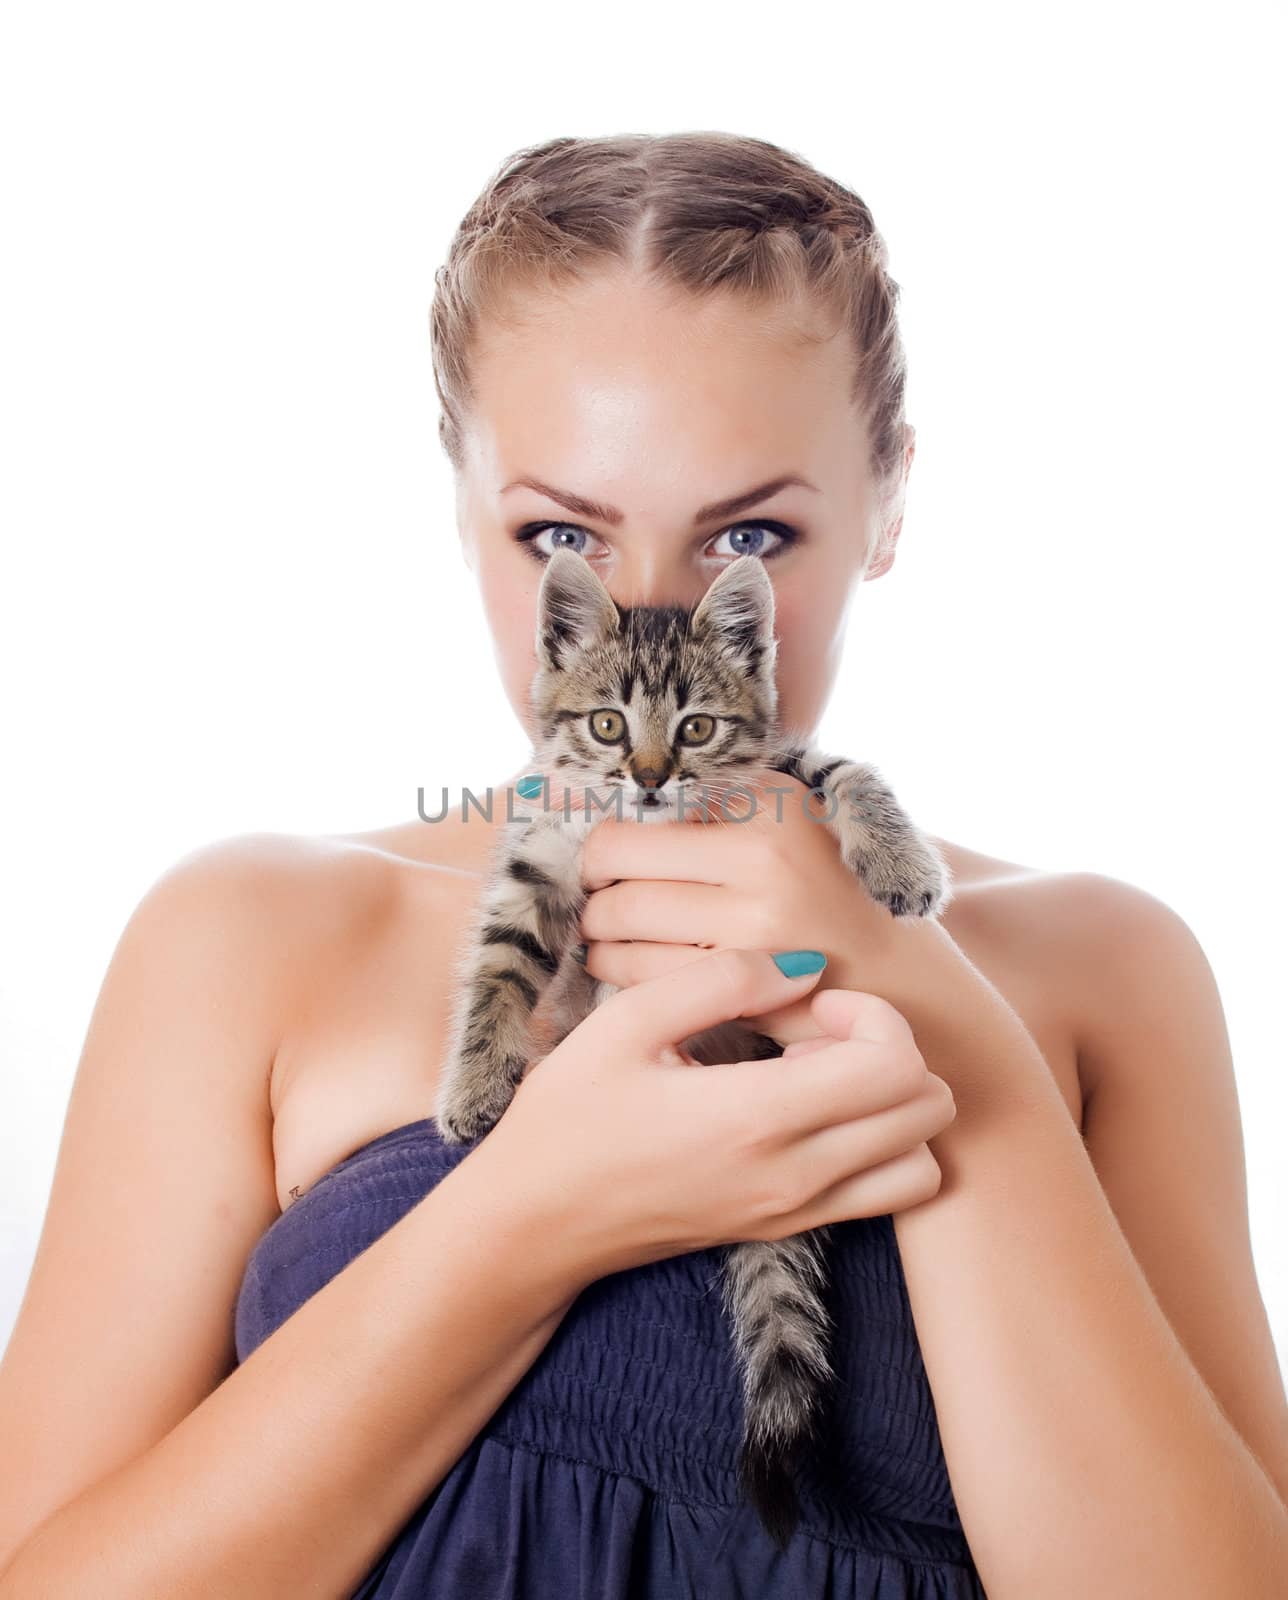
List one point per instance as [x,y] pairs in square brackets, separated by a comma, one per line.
[609,1472]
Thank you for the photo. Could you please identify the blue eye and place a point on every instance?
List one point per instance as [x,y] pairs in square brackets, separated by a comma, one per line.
[752,539]
[541,539]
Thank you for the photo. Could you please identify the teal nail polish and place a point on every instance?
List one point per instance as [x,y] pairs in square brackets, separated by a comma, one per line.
[529,788]
[799,963]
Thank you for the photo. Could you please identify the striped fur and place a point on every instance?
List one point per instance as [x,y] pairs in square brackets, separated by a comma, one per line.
[657,667]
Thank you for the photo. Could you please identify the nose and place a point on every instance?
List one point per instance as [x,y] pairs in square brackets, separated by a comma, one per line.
[650,777]
[647,576]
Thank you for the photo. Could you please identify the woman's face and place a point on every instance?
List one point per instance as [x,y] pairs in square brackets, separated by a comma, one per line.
[616,418]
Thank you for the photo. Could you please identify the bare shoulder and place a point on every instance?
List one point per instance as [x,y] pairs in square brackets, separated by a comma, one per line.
[264,869]
[1081,913]
[1141,974]
[284,918]
[245,909]
[1019,917]
[1123,968]
[299,891]
[1076,953]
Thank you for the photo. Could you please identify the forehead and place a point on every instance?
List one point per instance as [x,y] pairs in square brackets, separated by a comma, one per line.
[616,383]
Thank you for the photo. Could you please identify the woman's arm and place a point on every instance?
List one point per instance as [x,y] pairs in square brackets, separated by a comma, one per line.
[128,1467]
[1086,1453]
[1162,1125]
[300,1468]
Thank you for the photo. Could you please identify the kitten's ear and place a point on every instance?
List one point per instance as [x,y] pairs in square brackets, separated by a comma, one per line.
[573,608]
[739,605]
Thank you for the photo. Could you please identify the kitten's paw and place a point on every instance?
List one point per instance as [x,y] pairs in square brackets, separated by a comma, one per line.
[910,882]
[473,1094]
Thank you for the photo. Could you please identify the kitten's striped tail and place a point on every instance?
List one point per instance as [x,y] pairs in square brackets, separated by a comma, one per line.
[772,1292]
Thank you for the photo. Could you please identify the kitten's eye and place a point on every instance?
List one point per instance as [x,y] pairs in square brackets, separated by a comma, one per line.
[540,540]
[608,727]
[753,539]
[697,730]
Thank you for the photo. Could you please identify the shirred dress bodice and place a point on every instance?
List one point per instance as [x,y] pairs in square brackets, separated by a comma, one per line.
[609,1471]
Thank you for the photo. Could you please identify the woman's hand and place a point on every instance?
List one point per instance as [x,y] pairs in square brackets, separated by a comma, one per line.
[662,894]
[654,1156]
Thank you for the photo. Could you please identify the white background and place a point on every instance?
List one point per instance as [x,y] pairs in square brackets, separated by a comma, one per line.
[231,598]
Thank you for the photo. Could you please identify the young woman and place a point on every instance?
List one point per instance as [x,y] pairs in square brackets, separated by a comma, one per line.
[280,1339]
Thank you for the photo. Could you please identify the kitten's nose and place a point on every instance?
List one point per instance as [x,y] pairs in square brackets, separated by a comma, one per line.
[650,777]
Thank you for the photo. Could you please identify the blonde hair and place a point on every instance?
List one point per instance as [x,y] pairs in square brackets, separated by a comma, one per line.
[702,211]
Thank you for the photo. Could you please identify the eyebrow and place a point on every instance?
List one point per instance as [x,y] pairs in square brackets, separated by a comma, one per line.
[596,512]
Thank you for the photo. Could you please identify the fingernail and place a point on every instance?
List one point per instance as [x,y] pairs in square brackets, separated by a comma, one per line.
[579,954]
[799,963]
[529,788]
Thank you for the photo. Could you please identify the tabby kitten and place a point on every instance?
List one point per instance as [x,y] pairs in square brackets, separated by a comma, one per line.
[642,700]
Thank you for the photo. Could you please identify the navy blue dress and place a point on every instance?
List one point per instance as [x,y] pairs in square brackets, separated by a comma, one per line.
[608,1473]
